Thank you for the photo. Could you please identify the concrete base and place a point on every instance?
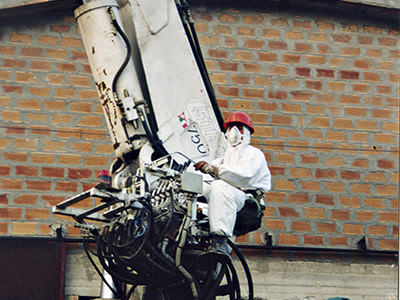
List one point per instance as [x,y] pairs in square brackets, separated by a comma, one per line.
[278,275]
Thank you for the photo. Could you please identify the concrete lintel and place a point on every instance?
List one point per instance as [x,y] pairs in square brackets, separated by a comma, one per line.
[381,3]
[7,4]
[22,7]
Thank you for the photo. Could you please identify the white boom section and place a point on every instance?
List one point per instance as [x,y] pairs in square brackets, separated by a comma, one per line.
[162,68]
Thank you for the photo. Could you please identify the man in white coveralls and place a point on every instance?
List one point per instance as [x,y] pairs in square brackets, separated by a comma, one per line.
[241,171]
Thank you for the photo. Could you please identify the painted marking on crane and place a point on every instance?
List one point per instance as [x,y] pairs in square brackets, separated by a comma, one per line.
[196,139]
[182,120]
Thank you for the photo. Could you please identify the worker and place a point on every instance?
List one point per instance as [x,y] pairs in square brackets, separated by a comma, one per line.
[241,171]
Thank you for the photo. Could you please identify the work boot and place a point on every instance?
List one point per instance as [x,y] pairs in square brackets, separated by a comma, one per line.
[219,249]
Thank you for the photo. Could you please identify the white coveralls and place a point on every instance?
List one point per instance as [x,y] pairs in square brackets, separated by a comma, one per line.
[243,167]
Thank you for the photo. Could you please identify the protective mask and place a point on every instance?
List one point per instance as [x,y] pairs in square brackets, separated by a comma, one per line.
[234,136]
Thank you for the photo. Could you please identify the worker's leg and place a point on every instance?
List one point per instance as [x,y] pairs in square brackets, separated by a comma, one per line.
[224,201]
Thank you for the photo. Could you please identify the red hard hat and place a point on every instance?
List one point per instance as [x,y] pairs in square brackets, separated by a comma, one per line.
[240,117]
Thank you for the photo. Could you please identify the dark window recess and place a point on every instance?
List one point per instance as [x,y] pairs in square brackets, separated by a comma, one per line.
[31,269]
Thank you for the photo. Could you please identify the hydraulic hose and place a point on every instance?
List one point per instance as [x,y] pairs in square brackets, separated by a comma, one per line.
[181,243]
[195,45]
[87,251]
[152,135]
[245,267]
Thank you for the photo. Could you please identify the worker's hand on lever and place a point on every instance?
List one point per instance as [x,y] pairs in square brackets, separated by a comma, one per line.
[206,168]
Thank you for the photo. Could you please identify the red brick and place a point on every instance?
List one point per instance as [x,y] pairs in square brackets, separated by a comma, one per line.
[268,57]
[26,170]
[340,214]
[305,72]
[4,228]
[275,224]
[388,244]
[60,28]
[24,77]
[10,213]
[14,63]
[365,215]
[66,67]
[388,217]
[387,41]
[301,226]
[253,93]
[361,188]
[350,201]
[37,214]
[38,185]
[4,199]
[32,52]
[300,172]
[5,170]
[325,173]
[288,212]
[287,133]
[314,84]
[56,53]
[32,104]
[299,198]
[242,104]
[353,229]
[53,172]
[280,95]
[12,89]
[228,91]
[326,227]
[313,240]
[16,156]
[338,241]
[277,45]
[309,159]
[365,40]
[245,31]
[48,40]
[79,173]
[239,79]
[288,239]
[69,159]
[71,42]
[314,213]
[350,175]
[325,73]
[276,170]
[324,199]
[301,95]
[341,38]
[228,66]
[52,200]
[243,55]
[254,44]
[387,190]
[66,186]
[26,199]
[385,164]
[96,161]
[281,120]
[349,75]
[39,65]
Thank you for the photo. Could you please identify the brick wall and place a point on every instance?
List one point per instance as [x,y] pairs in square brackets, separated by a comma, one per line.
[321,89]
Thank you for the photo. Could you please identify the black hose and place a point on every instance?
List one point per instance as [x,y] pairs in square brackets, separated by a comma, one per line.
[235,281]
[128,54]
[213,290]
[245,267]
[154,140]
[196,49]
[87,249]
